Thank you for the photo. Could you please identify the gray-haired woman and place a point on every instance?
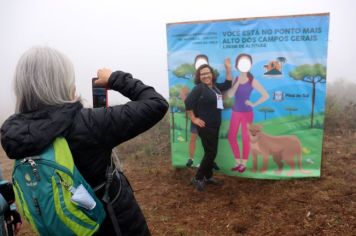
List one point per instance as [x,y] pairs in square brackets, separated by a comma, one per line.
[46,107]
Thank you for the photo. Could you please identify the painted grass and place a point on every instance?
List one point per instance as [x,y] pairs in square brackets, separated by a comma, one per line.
[311,140]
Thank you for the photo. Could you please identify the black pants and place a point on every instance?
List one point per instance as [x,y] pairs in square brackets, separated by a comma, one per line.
[128,213]
[209,138]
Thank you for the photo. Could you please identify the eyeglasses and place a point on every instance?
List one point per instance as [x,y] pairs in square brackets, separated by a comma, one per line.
[206,73]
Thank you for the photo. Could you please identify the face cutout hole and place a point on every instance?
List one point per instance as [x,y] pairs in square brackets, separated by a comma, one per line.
[201,61]
[244,64]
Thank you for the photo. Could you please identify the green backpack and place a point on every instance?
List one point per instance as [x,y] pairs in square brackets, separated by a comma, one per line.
[53,196]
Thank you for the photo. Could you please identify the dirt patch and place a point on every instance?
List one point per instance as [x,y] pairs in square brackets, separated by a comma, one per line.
[324,206]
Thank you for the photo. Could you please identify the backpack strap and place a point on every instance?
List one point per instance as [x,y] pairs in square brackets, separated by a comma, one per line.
[106,197]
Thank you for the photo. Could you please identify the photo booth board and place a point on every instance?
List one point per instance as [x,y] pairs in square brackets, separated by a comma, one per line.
[289,58]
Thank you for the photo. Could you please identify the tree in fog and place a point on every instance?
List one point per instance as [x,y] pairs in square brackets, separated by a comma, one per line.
[312,74]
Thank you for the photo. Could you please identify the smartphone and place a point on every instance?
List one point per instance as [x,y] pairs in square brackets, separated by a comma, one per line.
[100,95]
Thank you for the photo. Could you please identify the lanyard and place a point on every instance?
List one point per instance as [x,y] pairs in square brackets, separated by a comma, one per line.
[219,99]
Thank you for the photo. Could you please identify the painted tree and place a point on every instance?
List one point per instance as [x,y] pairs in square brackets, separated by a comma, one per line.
[187,71]
[183,94]
[312,74]
[266,110]
[176,103]
[291,109]
[282,60]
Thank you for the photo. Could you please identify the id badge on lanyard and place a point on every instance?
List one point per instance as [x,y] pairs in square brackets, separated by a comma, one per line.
[219,99]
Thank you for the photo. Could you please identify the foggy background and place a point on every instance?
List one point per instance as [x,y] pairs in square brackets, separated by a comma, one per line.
[131,36]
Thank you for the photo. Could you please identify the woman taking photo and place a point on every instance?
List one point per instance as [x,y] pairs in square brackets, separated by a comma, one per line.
[46,107]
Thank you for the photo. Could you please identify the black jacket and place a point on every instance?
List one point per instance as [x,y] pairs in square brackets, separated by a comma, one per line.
[91,133]
[202,100]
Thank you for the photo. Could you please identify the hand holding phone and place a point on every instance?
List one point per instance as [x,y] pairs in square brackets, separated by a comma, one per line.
[100,94]
[103,77]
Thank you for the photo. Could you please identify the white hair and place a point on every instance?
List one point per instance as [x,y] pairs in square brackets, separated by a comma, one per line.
[43,76]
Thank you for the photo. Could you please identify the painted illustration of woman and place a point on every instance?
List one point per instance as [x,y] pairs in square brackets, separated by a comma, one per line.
[242,110]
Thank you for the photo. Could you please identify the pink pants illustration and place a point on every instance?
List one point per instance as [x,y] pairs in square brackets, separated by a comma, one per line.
[240,119]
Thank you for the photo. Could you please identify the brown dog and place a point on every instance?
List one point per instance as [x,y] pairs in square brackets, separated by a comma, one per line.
[281,148]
